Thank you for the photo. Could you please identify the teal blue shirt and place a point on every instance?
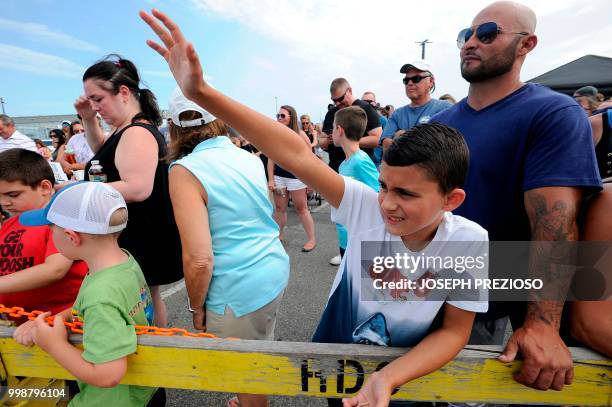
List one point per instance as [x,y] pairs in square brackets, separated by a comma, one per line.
[250,265]
[358,166]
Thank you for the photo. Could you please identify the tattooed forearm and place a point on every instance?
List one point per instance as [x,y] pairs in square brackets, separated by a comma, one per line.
[552,217]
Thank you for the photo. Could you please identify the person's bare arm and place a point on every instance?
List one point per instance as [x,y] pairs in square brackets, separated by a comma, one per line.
[433,352]
[54,341]
[591,324]
[597,127]
[372,139]
[52,270]
[278,142]
[270,170]
[136,160]
[547,361]
[191,215]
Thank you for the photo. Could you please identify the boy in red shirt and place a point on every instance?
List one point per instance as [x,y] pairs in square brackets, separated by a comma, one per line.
[33,274]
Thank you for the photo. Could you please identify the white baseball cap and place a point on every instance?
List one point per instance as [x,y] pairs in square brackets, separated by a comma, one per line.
[421,65]
[83,207]
[179,104]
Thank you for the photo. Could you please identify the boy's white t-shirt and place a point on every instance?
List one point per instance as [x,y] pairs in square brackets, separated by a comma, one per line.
[407,320]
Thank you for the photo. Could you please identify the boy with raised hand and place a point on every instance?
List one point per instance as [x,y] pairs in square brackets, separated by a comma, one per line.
[86,219]
[349,125]
[421,177]
[33,274]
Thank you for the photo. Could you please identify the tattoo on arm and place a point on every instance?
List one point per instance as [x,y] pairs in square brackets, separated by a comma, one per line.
[552,256]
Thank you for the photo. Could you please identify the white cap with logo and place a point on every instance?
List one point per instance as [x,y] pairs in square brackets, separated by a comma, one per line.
[179,104]
[421,65]
[84,207]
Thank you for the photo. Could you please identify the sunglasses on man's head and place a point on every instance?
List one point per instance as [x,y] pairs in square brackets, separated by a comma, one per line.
[486,33]
[339,99]
[280,116]
[414,79]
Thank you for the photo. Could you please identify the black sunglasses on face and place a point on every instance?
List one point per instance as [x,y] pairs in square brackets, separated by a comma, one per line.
[486,33]
[414,79]
[340,98]
[371,102]
[280,116]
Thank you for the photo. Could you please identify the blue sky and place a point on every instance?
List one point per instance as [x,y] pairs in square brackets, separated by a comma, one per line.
[255,50]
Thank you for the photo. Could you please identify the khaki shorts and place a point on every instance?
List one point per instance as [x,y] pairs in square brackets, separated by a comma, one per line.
[257,325]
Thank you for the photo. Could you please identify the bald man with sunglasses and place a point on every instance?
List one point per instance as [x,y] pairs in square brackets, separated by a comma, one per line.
[531,162]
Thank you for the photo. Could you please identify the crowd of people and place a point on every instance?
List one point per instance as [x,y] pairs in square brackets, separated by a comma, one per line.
[510,162]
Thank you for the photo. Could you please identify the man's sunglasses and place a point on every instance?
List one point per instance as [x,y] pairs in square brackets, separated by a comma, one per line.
[486,33]
[414,79]
[339,99]
[280,116]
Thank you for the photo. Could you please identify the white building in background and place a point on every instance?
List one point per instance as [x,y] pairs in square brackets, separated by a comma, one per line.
[39,126]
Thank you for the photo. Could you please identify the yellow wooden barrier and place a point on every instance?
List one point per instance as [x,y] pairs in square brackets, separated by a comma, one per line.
[321,370]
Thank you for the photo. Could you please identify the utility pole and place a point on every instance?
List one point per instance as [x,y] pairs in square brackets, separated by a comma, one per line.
[423,44]
[275,104]
[2,103]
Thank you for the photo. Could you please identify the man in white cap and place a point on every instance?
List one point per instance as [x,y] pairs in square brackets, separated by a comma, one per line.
[419,83]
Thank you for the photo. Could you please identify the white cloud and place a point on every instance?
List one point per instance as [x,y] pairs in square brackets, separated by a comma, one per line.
[368,42]
[25,60]
[42,33]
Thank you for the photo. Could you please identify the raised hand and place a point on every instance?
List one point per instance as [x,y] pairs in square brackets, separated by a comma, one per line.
[178,53]
[84,109]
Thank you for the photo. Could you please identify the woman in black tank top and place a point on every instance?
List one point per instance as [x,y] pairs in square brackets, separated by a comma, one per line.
[284,184]
[132,158]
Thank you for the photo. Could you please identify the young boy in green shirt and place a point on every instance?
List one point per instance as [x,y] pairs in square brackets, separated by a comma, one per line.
[87,218]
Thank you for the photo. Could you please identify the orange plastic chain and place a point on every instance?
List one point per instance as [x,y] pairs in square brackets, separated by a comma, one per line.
[77,326]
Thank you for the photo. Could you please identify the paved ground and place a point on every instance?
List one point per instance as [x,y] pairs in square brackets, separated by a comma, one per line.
[309,284]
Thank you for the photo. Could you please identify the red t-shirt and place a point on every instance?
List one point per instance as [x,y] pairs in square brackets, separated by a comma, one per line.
[22,247]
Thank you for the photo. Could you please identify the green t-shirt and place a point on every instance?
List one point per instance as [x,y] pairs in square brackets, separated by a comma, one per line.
[110,303]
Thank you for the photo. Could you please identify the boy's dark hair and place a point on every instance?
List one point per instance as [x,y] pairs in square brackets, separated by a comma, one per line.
[117,72]
[440,150]
[25,166]
[353,120]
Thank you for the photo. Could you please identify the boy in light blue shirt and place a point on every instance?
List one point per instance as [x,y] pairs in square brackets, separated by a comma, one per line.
[349,125]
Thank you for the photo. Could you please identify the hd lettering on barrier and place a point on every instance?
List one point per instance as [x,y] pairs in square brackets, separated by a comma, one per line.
[349,376]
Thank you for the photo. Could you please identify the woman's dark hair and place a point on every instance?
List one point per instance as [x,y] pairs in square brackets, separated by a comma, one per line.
[57,133]
[117,72]
[71,128]
[293,118]
[439,149]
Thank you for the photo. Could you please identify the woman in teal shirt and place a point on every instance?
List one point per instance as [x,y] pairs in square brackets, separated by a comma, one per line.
[236,268]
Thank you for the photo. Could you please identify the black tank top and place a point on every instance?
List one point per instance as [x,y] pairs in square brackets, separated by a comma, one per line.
[151,235]
[603,150]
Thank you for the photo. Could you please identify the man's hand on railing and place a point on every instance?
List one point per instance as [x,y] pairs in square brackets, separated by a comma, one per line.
[547,362]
